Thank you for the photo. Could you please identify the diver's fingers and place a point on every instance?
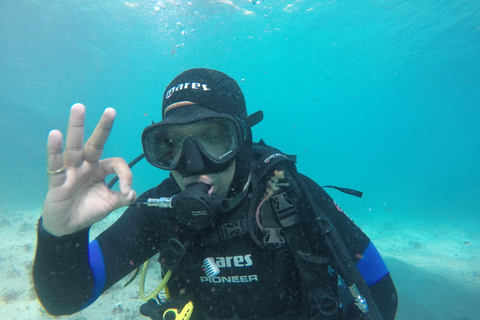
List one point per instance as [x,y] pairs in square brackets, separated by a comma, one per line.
[55,162]
[74,142]
[124,199]
[94,146]
[120,167]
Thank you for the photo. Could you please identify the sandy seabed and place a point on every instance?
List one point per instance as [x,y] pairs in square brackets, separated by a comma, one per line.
[434,267]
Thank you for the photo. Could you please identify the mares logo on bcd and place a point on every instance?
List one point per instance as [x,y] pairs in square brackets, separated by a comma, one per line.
[229,262]
[234,261]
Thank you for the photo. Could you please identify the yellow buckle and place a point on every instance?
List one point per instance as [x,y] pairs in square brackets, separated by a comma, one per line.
[185,314]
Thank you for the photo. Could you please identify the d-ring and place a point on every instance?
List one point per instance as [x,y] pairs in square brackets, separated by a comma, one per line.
[57,171]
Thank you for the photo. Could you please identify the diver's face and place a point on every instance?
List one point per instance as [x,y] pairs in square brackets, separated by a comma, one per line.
[219,182]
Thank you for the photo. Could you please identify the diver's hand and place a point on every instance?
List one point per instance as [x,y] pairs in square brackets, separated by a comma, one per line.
[78,196]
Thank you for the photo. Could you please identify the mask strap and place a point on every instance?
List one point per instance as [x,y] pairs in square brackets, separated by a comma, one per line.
[254,118]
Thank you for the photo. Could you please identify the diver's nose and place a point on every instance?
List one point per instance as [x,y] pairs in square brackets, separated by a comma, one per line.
[193,159]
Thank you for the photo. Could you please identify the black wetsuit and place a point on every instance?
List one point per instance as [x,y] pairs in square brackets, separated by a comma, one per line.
[254,282]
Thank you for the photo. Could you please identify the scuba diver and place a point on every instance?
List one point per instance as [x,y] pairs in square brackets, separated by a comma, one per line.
[240,233]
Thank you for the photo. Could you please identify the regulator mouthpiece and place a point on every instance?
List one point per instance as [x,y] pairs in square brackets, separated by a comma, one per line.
[197,209]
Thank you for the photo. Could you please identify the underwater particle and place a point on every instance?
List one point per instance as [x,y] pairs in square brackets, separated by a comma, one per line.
[131,4]
[160,5]
[31,296]
[14,273]
[10,295]
[118,309]
[288,8]
[415,244]
[242,79]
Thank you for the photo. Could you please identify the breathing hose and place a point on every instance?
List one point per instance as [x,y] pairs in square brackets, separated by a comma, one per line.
[130,165]
[347,268]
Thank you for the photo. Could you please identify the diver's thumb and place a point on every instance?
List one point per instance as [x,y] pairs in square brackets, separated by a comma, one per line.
[126,199]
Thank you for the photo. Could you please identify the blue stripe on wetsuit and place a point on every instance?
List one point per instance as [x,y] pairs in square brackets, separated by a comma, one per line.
[95,258]
[372,267]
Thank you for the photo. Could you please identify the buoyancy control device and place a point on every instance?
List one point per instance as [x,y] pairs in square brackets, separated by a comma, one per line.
[302,223]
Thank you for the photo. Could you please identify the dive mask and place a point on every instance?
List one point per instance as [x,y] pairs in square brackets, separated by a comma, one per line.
[215,141]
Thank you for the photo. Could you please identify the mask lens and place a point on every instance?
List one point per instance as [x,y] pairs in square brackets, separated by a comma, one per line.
[218,139]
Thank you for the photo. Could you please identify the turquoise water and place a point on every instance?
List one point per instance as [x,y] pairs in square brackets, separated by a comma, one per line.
[381,96]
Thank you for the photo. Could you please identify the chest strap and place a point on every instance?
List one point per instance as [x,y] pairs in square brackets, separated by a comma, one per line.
[280,209]
[233,229]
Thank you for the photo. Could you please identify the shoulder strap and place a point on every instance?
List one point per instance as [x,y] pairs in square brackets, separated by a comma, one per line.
[318,277]
[266,157]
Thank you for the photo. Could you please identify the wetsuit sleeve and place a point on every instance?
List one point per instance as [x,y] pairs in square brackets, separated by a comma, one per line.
[70,273]
[361,249]
[58,262]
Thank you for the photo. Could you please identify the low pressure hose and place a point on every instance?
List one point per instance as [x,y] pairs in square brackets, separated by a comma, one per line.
[159,288]
[348,270]
[353,278]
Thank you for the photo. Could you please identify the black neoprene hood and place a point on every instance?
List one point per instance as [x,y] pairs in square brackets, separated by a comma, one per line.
[210,88]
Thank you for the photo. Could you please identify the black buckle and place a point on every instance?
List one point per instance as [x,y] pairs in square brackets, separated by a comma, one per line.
[233,229]
[273,236]
[284,210]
